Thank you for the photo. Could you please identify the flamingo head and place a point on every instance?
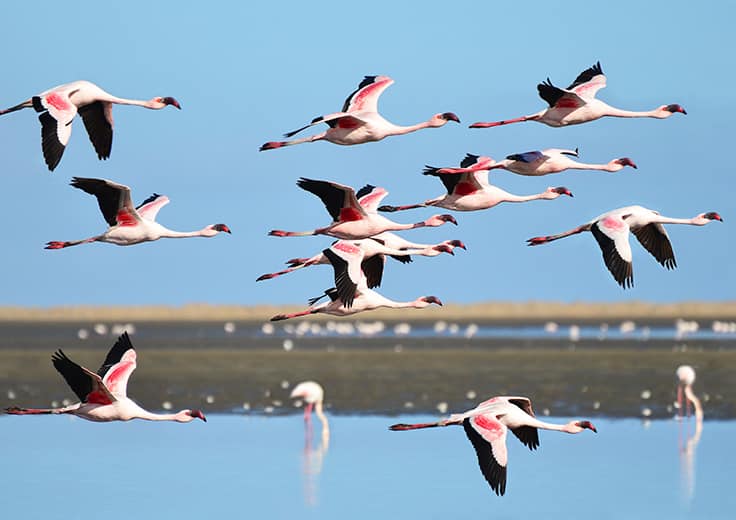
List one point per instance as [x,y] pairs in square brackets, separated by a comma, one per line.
[456,243]
[190,415]
[438,220]
[444,248]
[430,299]
[221,228]
[668,110]
[560,190]
[712,215]
[310,391]
[161,102]
[442,119]
[584,425]
[625,161]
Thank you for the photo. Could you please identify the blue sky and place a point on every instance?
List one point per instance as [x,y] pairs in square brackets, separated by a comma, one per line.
[247,72]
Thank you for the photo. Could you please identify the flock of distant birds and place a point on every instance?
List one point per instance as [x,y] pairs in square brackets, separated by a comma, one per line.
[364,239]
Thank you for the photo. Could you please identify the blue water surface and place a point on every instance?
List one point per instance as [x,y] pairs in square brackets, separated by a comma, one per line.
[261,467]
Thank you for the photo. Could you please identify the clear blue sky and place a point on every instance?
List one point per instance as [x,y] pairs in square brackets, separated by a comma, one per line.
[247,72]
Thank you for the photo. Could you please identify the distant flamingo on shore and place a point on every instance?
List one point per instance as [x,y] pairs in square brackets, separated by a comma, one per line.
[486,426]
[359,121]
[577,103]
[685,379]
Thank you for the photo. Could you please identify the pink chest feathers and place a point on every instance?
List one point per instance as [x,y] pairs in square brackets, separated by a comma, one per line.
[567,103]
[57,101]
[464,188]
[349,215]
[347,248]
[125,219]
[613,223]
[490,425]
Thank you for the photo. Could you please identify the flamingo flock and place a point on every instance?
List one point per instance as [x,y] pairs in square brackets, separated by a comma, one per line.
[364,239]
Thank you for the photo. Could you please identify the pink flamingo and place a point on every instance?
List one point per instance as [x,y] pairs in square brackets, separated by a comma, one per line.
[486,426]
[364,300]
[359,121]
[611,231]
[129,225]
[577,103]
[554,160]
[59,105]
[352,220]
[685,379]
[103,395]
[471,191]
[313,395]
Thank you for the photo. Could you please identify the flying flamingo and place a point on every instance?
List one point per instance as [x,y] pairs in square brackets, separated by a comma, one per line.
[471,191]
[102,395]
[364,300]
[59,105]
[313,394]
[554,160]
[352,220]
[359,121]
[577,103]
[611,231]
[375,252]
[486,426]
[685,379]
[129,225]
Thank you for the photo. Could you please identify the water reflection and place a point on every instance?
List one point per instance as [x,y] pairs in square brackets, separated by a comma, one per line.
[687,445]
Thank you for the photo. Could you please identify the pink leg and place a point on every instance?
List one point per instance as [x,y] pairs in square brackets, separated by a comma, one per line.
[308,412]
[499,123]
[280,317]
[679,401]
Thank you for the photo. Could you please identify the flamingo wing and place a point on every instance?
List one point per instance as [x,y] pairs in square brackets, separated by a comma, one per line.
[655,240]
[589,82]
[87,385]
[612,235]
[528,435]
[336,120]
[488,436]
[339,200]
[57,112]
[559,98]
[149,208]
[528,157]
[369,197]
[365,97]
[118,365]
[113,199]
[373,270]
[345,259]
[97,118]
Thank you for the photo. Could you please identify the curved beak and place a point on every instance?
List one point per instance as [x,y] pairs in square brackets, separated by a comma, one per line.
[449,116]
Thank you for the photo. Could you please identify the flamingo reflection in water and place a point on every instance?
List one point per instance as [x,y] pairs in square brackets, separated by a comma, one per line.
[687,444]
[312,457]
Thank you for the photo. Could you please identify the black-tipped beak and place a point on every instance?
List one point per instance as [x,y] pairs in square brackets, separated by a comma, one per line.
[449,116]
[449,218]
[387,209]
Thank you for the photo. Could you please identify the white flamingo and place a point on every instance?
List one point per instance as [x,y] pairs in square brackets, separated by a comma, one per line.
[577,103]
[129,225]
[352,220]
[103,395]
[359,121]
[685,379]
[555,160]
[59,105]
[611,231]
[486,426]
[471,191]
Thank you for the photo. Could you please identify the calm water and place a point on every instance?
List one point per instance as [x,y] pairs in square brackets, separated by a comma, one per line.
[256,467]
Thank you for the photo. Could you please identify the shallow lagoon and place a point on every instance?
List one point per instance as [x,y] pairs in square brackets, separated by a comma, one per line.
[238,466]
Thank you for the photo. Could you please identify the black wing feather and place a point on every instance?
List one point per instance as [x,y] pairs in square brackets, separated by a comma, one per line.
[373,269]
[367,80]
[657,244]
[404,259]
[121,346]
[621,270]
[450,180]
[332,197]
[108,197]
[586,75]
[469,160]
[528,435]
[345,286]
[365,190]
[494,473]
[74,375]
[549,92]
[98,128]
[50,144]
[149,199]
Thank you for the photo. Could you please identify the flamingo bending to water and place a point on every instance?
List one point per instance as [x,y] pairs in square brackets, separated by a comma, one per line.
[313,394]
[129,225]
[351,219]
[555,160]
[103,395]
[611,231]
[577,103]
[359,121]
[486,426]
[59,105]
[685,379]
[471,191]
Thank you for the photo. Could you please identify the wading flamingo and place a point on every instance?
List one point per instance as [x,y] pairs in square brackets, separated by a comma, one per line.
[359,121]
[129,225]
[59,105]
[577,103]
[352,220]
[313,395]
[471,191]
[611,231]
[486,426]
[102,395]
[685,379]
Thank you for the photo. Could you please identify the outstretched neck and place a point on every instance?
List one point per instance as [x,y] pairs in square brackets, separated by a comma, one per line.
[204,232]
[152,104]
[567,428]
[401,130]
[610,167]
[150,416]
[695,221]
[617,112]
[510,197]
